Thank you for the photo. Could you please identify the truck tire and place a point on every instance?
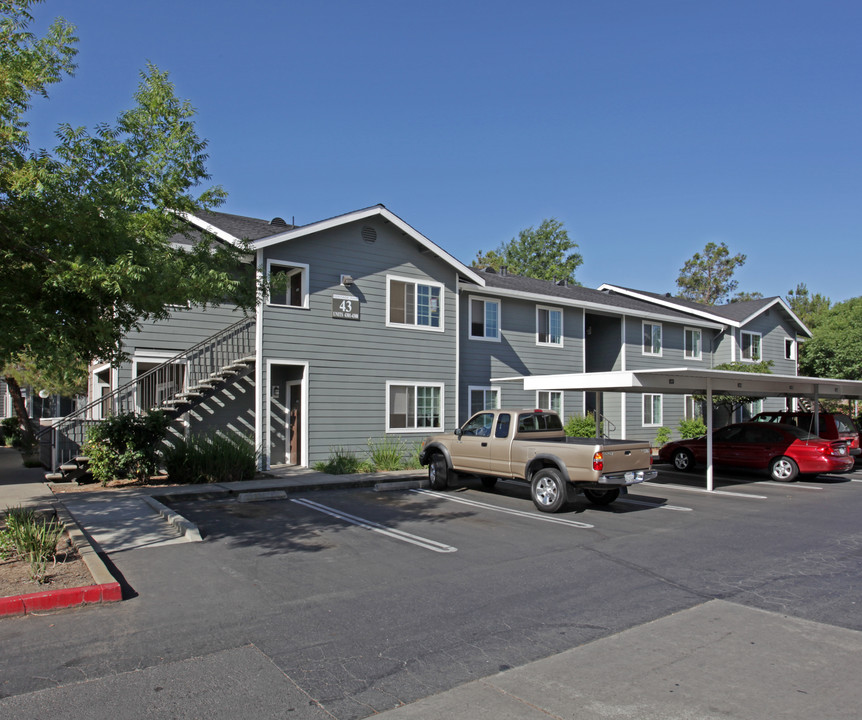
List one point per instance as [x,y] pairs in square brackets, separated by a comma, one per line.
[438,472]
[548,490]
[602,497]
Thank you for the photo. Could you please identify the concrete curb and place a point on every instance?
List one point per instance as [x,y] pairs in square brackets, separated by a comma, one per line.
[105,588]
[186,527]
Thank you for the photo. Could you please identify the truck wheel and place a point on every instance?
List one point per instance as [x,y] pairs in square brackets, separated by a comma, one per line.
[683,460]
[438,472]
[548,490]
[488,482]
[783,469]
[602,497]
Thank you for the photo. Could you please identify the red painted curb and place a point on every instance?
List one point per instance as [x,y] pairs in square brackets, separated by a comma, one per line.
[57,599]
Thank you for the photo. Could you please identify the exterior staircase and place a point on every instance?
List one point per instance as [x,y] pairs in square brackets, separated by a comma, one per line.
[176,386]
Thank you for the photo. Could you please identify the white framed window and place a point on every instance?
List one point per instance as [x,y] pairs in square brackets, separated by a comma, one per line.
[750,349]
[414,407]
[484,398]
[692,350]
[549,326]
[550,400]
[288,284]
[652,410]
[484,319]
[414,303]
[693,408]
[789,349]
[652,339]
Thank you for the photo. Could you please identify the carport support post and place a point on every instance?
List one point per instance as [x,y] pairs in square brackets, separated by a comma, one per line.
[709,483]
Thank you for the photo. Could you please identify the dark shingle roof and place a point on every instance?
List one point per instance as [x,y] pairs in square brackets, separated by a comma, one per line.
[244,228]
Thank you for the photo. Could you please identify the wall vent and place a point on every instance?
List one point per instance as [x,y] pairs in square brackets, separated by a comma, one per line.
[369,234]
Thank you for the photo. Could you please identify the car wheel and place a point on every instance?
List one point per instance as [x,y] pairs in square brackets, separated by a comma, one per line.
[683,460]
[783,469]
[438,472]
[602,497]
[548,490]
[488,482]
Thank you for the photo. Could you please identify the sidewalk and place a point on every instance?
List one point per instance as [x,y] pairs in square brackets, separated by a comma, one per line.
[20,486]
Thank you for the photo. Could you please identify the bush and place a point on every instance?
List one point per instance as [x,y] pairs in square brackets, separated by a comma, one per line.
[662,436]
[386,454]
[210,459]
[10,431]
[691,428]
[126,445]
[31,538]
[582,426]
[341,462]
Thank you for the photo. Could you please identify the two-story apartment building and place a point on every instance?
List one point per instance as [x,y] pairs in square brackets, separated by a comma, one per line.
[373,331]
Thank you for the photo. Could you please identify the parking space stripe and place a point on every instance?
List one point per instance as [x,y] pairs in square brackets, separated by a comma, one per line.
[376,527]
[705,491]
[792,485]
[520,513]
[630,501]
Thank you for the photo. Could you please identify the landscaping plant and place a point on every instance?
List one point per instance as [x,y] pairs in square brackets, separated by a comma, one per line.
[126,445]
[662,436]
[210,458]
[31,538]
[582,426]
[341,462]
[693,428]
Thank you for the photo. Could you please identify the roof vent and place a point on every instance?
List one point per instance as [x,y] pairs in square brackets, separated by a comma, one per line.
[369,234]
[491,270]
[668,295]
[278,221]
[504,270]
[563,283]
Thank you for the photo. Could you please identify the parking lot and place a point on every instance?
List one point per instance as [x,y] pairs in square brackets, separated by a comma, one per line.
[367,599]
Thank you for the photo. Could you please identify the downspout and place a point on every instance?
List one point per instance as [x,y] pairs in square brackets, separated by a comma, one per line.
[263,456]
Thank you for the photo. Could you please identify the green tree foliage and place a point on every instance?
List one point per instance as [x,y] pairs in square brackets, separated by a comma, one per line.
[808,307]
[85,228]
[708,276]
[835,350]
[743,296]
[732,402]
[545,253]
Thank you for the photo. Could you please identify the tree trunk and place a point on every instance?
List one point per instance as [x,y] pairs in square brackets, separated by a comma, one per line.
[28,440]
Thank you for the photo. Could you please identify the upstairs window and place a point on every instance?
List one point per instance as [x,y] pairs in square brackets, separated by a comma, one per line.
[692,344]
[652,339]
[415,304]
[484,319]
[549,326]
[751,346]
[550,400]
[288,284]
[484,398]
[789,349]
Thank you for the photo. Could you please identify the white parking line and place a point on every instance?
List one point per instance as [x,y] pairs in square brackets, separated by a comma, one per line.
[704,490]
[377,527]
[520,513]
[653,504]
[793,485]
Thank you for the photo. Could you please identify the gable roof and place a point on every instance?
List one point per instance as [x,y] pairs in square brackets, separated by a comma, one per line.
[736,314]
[503,284]
[226,227]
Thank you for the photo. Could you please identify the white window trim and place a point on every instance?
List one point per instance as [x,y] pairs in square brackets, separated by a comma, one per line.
[793,346]
[416,384]
[685,402]
[643,409]
[415,326]
[551,308]
[685,354]
[562,400]
[470,299]
[303,268]
[742,334]
[484,389]
[661,339]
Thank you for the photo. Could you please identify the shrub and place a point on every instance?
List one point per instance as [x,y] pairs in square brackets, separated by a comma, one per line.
[341,462]
[33,539]
[10,431]
[210,459]
[662,436]
[582,426]
[126,445]
[386,454]
[694,428]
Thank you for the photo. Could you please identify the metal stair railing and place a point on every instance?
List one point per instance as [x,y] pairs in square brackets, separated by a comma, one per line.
[150,390]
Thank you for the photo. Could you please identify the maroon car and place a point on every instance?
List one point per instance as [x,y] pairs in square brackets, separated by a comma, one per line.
[785,451]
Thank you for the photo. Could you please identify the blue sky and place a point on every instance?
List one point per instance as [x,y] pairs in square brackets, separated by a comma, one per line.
[648,127]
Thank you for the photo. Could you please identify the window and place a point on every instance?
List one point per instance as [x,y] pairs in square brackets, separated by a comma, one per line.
[484,319]
[789,349]
[550,400]
[414,407]
[504,420]
[479,425]
[537,422]
[484,398]
[652,410]
[751,346]
[692,344]
[288,284]
[652,339]
[415,304]
[693,408]
[549,326]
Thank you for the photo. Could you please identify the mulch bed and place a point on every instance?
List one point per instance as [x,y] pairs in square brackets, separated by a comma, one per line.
[68,571]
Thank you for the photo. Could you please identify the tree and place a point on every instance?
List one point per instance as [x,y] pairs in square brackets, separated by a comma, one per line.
[807,307]
[545,253]
[708,277]
[84,230]
[731,403]
[835,350]
[743,296]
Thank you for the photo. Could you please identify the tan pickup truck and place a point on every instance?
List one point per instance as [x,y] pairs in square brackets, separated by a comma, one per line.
[531,446]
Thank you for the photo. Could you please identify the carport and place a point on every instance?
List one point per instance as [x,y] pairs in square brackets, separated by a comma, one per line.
[693,381]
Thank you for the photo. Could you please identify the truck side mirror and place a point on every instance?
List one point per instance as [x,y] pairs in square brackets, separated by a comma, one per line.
[458,433]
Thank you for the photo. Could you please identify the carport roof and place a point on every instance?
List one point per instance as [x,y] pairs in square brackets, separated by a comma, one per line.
[694,381]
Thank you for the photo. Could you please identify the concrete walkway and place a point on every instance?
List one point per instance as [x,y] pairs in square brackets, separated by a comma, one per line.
[20,486]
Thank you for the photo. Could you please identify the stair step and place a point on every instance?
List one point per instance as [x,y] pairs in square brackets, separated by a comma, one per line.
[69,467]
[55,477]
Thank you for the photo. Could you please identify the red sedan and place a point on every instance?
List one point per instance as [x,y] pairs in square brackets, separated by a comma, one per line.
[784,450]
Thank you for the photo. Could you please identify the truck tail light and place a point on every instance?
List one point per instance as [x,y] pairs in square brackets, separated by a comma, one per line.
[598,462]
